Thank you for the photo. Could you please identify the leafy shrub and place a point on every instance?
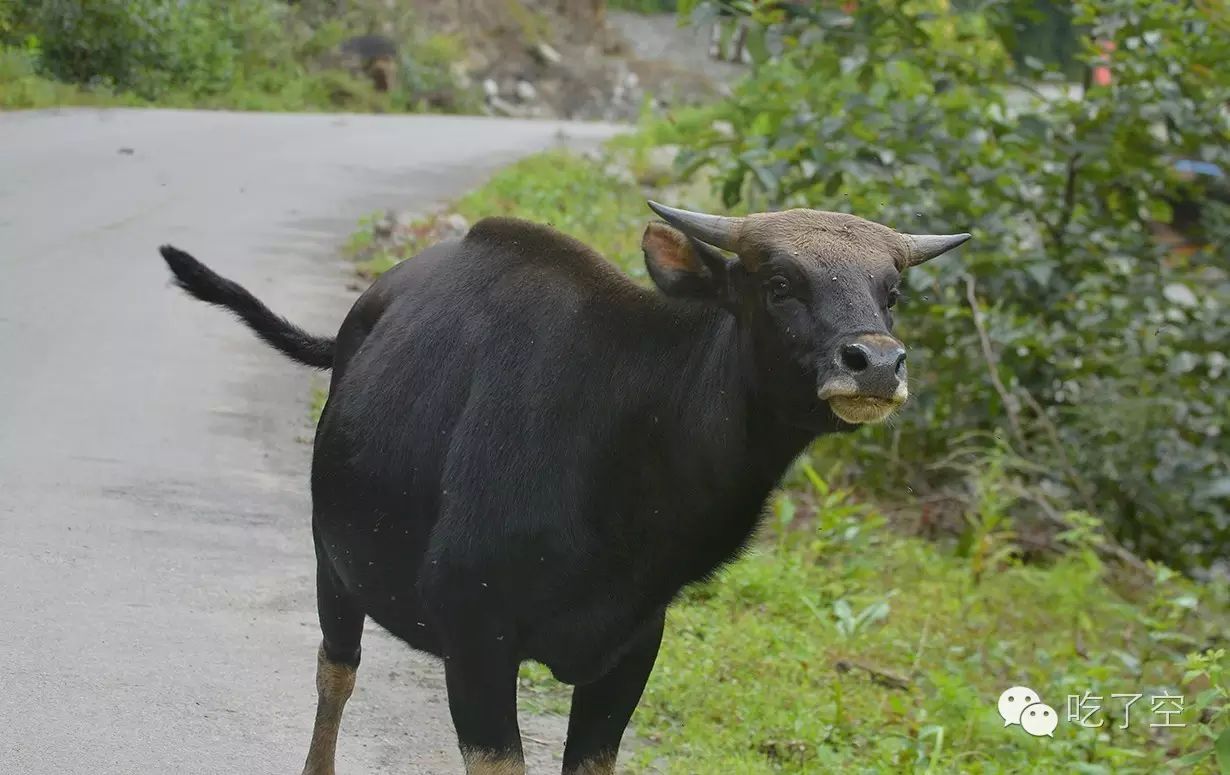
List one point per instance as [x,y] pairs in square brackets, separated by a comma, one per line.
[22,87]
[247,54]
[10,16]
[430,79]
[1065,329]
[149,47]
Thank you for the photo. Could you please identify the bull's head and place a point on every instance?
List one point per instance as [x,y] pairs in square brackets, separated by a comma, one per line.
[815,290]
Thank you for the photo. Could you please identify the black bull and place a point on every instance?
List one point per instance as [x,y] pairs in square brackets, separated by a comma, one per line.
[525,456]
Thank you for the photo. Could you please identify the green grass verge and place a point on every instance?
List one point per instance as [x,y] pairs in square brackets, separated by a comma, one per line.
[294,88]
[845,647]
[841,645]
[21,88]
[574,194]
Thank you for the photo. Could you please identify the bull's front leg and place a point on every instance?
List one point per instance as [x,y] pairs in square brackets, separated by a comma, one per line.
[480,671]
[601,710]
[482,698]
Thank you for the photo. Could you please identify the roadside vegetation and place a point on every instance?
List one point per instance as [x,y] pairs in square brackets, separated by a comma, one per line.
[1084,327]
[244,54]
[517,58]
[842,646]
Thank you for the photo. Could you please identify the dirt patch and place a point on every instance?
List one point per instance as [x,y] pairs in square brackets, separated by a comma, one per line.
[572,59]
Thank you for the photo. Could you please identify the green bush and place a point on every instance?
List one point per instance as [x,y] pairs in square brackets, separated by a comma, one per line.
[246,54]
[429,80]
[153,47]
[22,87]
[1065,330]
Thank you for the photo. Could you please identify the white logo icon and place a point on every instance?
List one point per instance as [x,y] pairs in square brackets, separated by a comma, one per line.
[1022,705]
[1039,719]
[1013,701]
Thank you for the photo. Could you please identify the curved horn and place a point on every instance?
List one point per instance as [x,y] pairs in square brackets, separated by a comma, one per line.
[716,230]
[924,247]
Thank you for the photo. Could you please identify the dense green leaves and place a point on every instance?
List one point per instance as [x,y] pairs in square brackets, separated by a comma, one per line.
[1108,343]
[151,46]
[245,54]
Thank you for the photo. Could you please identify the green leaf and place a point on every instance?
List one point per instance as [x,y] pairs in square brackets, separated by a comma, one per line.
[785,510]
[732,189]
[1222,746]
[1161,211]
[815,479]
[834,184]
[1194,758]
[1206,697]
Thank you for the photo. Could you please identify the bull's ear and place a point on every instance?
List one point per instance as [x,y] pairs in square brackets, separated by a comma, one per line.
[685,267]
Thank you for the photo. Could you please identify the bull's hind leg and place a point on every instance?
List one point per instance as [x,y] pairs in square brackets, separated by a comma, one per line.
[341,625]
[601,710]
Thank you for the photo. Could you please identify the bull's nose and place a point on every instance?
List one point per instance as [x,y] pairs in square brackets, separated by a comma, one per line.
[858,358]
[877,364]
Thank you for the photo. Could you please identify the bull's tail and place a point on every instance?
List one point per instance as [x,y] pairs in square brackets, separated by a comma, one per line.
[208,286]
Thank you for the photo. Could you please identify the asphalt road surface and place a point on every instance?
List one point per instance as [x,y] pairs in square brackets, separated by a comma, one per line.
[157,611]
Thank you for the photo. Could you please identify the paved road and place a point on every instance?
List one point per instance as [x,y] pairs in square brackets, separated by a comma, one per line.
[156,574]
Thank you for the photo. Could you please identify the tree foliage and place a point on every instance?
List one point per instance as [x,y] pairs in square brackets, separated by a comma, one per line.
[1071,327]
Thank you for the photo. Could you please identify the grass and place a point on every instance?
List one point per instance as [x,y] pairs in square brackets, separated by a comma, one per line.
[22,87]
[320,394]
[577,195]
[842,645]
[573,195]
[561,189]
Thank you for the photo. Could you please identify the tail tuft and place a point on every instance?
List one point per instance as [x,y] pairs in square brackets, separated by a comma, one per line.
[198,279]
[207,285]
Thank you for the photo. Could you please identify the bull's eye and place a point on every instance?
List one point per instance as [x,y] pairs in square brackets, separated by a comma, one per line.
[779,287]
[893,296]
